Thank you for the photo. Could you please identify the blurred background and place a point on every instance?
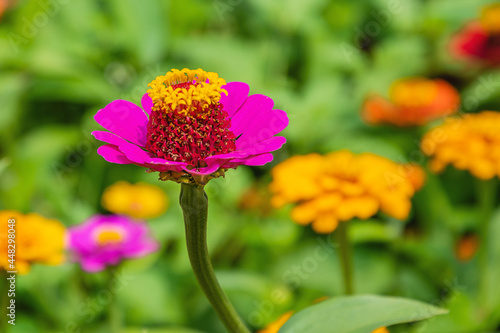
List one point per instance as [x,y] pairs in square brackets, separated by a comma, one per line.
[62,60]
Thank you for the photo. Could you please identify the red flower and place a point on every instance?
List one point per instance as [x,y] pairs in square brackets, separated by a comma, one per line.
[479,40]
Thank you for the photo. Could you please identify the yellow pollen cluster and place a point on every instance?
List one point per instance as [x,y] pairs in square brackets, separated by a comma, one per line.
[139,200]
[37,240]
[198,91]
[341,186]
[471,142]
[109,236]
[490,18]
[413,92]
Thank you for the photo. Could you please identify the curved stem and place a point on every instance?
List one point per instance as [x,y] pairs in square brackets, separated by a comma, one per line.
[194,204]
[345,256]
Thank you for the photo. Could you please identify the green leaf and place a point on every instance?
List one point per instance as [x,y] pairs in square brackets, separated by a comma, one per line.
[492,275]
[358,314]
[11,86]
[375,231]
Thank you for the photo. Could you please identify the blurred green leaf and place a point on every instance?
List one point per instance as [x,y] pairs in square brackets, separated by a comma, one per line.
[374,231]
[358,314]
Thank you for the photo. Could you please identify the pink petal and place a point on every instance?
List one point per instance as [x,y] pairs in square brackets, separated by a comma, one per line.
[260,129]
[147,103]
[131,151]
[163,168]
[108,137]
[256,107]
[125,119]
[203,171]
[162,165]
[237,93]
[92,265]
[111,154]
[265,146]
[134,153]
[228,156]
[161,161]
[259,159]
[252,160]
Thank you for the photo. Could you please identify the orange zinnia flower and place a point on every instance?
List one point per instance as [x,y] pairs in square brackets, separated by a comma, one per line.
[466,247]
[413,101]
[470,142]
[341,186]
[37,240]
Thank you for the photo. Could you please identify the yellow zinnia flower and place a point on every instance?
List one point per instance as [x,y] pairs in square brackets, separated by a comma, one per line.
[470,142]
[139,200]
[37,240]
[340,186]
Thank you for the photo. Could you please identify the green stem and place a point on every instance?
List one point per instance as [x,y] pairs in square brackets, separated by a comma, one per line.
[486,193]
[345,254]
[114,313]
[194,204]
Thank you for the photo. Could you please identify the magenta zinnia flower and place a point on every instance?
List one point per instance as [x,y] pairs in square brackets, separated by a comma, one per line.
[105,240]
[198,127]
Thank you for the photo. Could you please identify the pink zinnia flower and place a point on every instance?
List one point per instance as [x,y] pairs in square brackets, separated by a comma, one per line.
[105,240]
[195,126]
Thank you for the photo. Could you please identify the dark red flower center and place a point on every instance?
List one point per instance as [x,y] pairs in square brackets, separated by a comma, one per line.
[189,133]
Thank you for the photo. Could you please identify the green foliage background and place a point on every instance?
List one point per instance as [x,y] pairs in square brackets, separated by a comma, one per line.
[62,60]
